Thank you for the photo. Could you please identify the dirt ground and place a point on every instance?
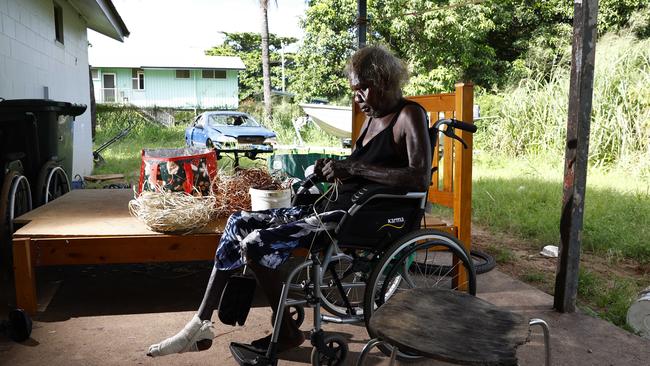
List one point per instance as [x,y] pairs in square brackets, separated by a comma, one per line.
[526,260]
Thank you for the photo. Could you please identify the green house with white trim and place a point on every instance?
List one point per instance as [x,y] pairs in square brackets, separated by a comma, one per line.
[179,80]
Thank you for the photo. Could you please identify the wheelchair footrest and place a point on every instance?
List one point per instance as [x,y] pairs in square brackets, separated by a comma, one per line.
[247,356]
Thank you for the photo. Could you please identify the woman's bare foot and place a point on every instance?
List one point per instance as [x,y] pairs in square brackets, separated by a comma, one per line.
[197,335]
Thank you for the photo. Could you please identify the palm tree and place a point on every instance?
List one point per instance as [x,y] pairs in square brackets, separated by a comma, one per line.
[264,6]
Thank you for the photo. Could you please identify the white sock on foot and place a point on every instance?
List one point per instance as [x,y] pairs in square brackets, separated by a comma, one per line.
[185,340]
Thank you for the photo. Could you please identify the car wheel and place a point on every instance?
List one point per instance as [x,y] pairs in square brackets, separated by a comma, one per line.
[209,144]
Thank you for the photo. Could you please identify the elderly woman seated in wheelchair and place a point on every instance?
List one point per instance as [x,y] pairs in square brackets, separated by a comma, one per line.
[362,234]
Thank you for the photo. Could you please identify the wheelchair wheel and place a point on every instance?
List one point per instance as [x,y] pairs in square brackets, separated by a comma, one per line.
[422,259]
[334,354]
[297,313]
[353,283]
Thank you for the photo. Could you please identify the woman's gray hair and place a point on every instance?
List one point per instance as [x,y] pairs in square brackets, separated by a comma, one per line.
[378,67]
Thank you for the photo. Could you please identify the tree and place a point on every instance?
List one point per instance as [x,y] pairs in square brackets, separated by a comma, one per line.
[328,43]
[492,43]
[247,46]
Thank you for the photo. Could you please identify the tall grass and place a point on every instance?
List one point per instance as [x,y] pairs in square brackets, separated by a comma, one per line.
[531,117]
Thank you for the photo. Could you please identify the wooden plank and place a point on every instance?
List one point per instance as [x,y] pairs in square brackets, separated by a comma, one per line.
[100,177]
[577,152]
[442,198]
[91,212]
[435,102]
[24,276]
[130,249]
[431,220]
[463,169]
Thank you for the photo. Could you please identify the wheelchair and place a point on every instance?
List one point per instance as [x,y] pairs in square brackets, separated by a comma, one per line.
[377,250]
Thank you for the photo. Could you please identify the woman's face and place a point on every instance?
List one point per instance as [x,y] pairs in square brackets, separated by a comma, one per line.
[365,95]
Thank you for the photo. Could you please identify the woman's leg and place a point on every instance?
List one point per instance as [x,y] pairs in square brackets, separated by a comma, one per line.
[270,281]
[268,248]
[197,335]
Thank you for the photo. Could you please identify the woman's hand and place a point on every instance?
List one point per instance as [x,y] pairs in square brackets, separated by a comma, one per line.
[318,167]
[335,169]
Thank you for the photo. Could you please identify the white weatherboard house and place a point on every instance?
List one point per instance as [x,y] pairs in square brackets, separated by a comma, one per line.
[176,79]
[44,55]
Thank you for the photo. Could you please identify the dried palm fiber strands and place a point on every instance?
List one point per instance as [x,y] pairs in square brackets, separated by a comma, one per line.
[232,190]
[167,212]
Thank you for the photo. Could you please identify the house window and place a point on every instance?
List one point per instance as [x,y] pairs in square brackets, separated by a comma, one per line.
[58,22]
[95,74]
[213,74]
[137,76]
[182,74]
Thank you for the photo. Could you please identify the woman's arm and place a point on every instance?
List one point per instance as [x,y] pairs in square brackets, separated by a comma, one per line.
[410,129]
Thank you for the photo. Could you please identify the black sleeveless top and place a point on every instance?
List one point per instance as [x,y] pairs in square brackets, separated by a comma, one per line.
[380,151]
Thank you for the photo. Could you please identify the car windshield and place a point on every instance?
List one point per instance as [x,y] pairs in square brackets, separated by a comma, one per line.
[232,120]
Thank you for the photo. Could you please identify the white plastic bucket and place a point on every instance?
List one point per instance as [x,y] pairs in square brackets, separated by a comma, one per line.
[262,199]
[638,315]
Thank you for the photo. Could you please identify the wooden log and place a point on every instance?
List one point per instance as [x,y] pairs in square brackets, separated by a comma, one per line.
[638,315]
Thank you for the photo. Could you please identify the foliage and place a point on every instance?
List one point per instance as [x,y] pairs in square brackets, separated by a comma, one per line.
[493,43]
[328,43]
[247,46]
[531,118]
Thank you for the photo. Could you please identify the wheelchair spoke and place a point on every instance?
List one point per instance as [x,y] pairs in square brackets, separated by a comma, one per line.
[425,258]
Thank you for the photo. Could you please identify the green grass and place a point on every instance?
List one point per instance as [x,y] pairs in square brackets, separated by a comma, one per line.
[534,277]
[607,298]
[501,255]
[124,155]
[523,197]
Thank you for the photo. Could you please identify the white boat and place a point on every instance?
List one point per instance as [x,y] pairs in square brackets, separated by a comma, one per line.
[335,120]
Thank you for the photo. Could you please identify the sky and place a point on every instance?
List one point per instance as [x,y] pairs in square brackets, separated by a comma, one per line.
[179,25]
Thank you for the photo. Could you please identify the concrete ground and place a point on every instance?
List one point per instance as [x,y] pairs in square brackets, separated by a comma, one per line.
[108,315]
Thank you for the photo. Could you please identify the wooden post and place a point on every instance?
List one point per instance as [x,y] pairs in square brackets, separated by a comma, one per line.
[463,169]
[576,156]
[24,276]
[463,165]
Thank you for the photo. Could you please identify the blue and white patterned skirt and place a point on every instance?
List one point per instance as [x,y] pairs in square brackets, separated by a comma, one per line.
[268,237]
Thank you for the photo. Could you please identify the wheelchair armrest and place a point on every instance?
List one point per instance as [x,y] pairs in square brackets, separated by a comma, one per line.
[369,193]
[365,193]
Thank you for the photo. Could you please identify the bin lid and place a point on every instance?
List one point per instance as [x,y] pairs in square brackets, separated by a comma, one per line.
[42,105]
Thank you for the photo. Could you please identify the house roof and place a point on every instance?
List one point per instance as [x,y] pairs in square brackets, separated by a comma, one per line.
[102,17]
[189,59]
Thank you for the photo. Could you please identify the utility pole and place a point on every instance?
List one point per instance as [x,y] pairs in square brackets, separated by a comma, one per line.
[585,13]
[362,22]
[282,58]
